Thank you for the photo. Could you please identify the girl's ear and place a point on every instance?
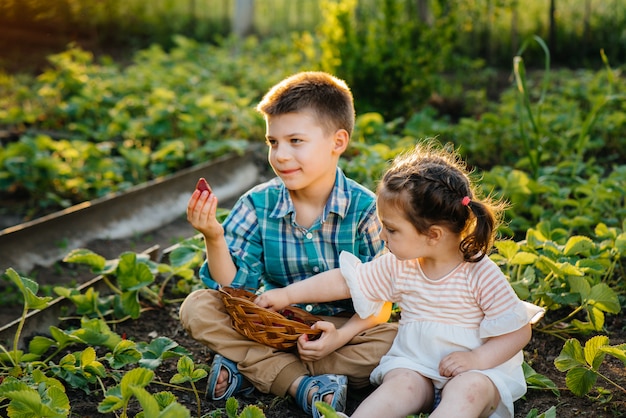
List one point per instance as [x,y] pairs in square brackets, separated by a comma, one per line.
[341,139]
[435,233]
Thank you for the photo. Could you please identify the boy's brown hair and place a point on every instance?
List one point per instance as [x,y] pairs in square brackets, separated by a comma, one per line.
[327,96]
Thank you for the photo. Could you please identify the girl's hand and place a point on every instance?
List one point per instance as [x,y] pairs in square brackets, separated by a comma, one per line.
[457,363]
[274,300]
[323,346]
[201,210]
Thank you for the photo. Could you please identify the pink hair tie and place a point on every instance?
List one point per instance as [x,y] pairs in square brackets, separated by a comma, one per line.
[466,201]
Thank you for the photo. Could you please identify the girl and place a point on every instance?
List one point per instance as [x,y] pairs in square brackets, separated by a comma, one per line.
[462,327]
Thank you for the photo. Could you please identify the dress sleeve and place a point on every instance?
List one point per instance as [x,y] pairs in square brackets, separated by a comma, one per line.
[363,306]
[523,313]
[504,311]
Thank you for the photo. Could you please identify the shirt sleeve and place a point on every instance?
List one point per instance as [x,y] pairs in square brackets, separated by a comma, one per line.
[242,233]
[369,232]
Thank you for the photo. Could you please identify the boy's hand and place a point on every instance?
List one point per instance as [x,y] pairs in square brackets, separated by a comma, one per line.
[201,210]
[317,349]
[274,300]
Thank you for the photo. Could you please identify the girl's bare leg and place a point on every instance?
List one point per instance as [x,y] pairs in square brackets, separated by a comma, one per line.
[403,392]
[468,395]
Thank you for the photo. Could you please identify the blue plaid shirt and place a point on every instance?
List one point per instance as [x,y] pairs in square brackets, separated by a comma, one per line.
[271,250]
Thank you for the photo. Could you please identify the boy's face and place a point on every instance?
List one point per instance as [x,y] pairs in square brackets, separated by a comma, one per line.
[301,152]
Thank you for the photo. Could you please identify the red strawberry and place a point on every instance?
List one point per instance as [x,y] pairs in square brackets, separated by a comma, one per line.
[202,185]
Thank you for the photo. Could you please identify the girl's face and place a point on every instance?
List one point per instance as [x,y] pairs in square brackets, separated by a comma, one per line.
[400,236]
[301,153]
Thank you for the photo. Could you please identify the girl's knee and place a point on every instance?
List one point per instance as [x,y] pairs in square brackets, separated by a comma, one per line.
[474,388]
[413,382]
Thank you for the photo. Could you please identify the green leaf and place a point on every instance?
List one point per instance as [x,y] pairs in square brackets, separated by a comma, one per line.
[559,269]
[133,274]
[110,404]
[524,258]
[49,401]
[88,257]
[618,351]
[620,243]
[592,267]
[326,410]
[175,410]
[40,344]
[187,371]
[11,384]
[593,355]
[253,411]
[124,353]
[97,332]
[535,380]
[149,405]
[29,290]
[603,231]
[160,348]
[579,285]
[164,399]
[507,248]
[87,356]
[571,356]
[232,405]
[138,377]
[550,413]
[130,303]
[63,338]
[580,380]
[25,404]
[604,298]
[58,400]
[181,256]
[596,317]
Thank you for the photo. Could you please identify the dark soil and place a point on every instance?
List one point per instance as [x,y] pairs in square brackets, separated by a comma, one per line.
[540,352]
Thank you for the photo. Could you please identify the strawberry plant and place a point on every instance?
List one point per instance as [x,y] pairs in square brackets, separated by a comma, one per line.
[582,364]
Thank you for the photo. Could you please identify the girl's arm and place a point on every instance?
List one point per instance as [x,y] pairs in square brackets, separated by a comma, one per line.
[323,287]
[332,338]
[494,352]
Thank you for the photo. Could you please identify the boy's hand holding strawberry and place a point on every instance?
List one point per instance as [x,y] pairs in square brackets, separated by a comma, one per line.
[201,212]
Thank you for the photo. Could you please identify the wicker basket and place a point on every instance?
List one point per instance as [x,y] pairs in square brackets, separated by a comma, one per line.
[275,329]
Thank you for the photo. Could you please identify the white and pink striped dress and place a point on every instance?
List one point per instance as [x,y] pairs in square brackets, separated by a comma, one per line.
[454,313]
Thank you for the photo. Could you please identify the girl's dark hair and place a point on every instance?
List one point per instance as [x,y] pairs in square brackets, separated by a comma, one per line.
[432,186]
[327,96]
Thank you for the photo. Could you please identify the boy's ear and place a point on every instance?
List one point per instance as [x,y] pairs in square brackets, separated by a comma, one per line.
[342,139]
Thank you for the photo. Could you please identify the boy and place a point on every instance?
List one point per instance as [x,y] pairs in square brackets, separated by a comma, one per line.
[283,231]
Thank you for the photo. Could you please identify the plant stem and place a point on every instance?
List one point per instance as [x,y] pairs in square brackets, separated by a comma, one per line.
[571,315]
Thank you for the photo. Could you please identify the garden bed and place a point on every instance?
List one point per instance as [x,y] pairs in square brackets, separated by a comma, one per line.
[163,322]
[540,353]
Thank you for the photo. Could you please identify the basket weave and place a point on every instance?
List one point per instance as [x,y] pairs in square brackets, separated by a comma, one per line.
[276,329]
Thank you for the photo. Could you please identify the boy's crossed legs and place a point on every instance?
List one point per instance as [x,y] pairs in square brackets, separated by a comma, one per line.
[203,316]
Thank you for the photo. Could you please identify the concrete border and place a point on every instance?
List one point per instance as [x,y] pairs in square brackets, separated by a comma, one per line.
[140,209]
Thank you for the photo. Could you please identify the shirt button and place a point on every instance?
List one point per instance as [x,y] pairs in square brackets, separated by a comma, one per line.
[308,308]
[309,235]
[316,269]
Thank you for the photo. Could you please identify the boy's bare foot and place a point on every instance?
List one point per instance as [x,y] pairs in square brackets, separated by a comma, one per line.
[225,380]
[222,383]
[329,388]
